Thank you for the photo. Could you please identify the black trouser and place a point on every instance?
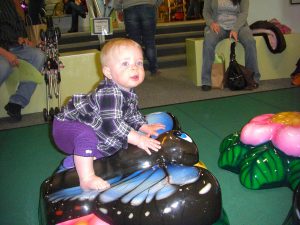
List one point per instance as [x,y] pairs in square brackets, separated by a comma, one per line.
[35,11]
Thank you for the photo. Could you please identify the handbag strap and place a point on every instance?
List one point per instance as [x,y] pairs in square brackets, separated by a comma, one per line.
[232,51]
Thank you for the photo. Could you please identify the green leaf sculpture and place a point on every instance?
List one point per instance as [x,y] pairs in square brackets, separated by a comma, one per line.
[259,167]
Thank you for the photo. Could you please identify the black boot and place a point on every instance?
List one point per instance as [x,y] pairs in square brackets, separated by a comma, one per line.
[14,111]
[297,70]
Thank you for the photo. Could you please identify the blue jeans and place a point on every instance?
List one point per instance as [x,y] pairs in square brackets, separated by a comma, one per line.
[26,88]
[211,39]
[140,26]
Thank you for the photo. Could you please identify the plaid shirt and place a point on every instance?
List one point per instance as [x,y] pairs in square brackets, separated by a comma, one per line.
[11,25]
[112,112]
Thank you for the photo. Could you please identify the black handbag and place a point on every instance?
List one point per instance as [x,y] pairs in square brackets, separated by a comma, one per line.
[238,77]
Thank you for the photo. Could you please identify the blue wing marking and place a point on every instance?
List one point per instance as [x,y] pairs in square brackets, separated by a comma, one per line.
[140,192]
[141,186]
[77,193]
[182,175]
[70,193]
[124,187]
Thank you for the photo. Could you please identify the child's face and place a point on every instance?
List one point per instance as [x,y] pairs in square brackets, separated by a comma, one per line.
[125,67]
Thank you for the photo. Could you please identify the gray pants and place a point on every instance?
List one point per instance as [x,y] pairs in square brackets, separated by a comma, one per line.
[211,39]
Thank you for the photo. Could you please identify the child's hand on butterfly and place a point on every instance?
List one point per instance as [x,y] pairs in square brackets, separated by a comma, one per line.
[146,143]
[151,129]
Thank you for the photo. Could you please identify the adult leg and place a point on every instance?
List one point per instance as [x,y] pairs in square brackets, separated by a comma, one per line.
[191,10]
[74,22]
[12,109]
[133,25]
[148,16]
[25,89]
[5,69]
[140,26]
[247,40]
[35,57]
[35,11]
[211,39]
[201,8]
[197,13]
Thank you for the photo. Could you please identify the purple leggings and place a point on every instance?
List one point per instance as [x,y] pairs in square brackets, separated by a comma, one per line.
[75,138]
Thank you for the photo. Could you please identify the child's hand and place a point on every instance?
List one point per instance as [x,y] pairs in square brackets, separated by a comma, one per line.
[151,129]
[147,143]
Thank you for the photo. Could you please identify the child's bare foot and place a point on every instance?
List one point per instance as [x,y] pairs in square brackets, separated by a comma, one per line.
[88,179]
[94,183]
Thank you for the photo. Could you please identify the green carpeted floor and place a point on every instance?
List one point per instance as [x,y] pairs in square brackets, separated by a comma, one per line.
[28,157]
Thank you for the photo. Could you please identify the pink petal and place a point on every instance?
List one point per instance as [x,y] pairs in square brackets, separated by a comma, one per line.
[264,118]
[258,133]
[287,140]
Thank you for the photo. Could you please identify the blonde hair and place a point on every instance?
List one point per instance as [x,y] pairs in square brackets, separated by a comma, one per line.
[114,44]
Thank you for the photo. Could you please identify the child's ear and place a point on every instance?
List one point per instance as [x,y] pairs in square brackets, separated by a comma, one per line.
[106,71]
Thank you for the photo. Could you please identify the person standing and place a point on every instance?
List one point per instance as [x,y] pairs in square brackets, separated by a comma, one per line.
[76,8]
[140,26]
[14,45]
[227,19]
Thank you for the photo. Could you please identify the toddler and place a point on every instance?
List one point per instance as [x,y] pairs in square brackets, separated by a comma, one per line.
[104,121]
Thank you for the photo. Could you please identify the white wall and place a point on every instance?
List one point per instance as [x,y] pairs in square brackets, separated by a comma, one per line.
[282,10]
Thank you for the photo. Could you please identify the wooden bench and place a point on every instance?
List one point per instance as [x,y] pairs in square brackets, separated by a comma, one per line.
[271,66]
[81,73]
